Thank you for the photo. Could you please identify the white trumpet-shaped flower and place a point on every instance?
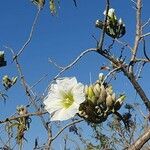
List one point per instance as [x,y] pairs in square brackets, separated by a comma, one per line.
[64,98]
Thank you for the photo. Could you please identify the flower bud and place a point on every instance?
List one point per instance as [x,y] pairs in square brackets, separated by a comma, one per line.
[86,90]
[109,90]
[97,89]
[90,92]
[113,96]
[119,102]
[103,93]
[109,101]
[101,77]
[111,12]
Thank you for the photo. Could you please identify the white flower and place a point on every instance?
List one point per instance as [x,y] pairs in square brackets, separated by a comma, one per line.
[111,12]
[64,98]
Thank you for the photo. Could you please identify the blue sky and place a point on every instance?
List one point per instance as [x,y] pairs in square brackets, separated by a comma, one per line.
[61,38]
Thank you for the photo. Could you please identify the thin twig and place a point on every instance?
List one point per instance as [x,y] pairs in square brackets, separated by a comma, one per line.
[140,141]
[140,70]
[38,113]
[133,2]
[110,73]
[71,65]
[142,60]
[55,64]
[144,50]
[145,24]
[146,34]
[70,124]
[30,35]
[138,34]
[36,83]
[100,45]
[74,62]
[124,44]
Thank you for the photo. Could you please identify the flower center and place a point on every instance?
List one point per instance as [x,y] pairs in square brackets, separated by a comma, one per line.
[67,100]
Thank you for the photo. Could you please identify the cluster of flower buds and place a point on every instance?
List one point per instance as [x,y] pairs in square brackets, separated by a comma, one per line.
[7,82]
[23,123]
[21,110]
[114,28]
[100,102]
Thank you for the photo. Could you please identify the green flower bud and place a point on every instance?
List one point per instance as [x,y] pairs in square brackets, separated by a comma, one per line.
[119,102]
[14,80]
[7,83]
[90,92]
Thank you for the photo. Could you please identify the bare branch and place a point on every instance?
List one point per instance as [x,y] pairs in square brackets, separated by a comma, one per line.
[146,34]
[124,44]
[30,35]
[140,141]
[138,33]
[146,23]
[70,124]
[133,2]
[38,113]
[36,83]
[137,87]
[55,64]
[100,44]
[74,62]
[140,70]
[110,73]
[144,50]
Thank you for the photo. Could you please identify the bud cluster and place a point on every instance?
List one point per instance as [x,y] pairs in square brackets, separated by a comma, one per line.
[8,82]
[100,102]
[21,110]
[114,27]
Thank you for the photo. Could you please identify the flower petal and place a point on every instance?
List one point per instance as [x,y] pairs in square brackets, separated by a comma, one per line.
[53,101]
[63,114]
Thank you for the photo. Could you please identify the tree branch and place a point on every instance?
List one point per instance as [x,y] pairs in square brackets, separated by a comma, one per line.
[30,35]
[138,144]
[138,33]
[38,113]
[70,124]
